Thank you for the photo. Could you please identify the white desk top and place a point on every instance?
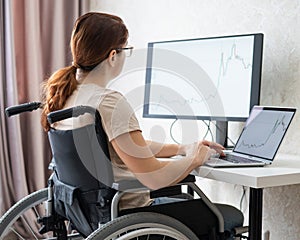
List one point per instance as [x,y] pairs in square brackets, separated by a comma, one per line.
[285,170]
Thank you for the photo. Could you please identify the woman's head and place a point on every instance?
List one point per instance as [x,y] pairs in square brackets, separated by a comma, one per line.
[95,36]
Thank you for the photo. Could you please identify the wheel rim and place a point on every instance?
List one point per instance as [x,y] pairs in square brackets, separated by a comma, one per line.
[148,233]
[143,226]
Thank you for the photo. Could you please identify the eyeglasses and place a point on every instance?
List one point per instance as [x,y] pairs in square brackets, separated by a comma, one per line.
[127,53]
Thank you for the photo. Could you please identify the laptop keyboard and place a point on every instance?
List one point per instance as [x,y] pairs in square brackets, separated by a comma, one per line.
[238,159]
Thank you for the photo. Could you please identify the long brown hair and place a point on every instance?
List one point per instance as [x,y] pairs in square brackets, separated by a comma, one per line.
[93,37]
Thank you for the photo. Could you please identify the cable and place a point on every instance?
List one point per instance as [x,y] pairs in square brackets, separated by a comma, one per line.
[233,143]
[205,135]
[242,197]
[208,130]
[171,134]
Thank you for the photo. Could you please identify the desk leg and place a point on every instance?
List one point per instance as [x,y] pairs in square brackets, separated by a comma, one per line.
[255,213]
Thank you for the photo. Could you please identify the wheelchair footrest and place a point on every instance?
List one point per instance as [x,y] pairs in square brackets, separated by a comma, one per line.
[54,224]
[238,231]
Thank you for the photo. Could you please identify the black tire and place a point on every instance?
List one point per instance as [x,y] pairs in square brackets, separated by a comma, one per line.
[143,225]
[31,204]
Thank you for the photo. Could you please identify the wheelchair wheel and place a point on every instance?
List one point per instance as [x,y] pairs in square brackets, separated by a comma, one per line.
[143,225]
[14,224]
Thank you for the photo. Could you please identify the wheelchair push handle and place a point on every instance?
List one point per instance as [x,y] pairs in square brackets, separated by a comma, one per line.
[71,113]
[24,107]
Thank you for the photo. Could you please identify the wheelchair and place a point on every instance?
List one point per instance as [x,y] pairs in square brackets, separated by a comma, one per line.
[81,199]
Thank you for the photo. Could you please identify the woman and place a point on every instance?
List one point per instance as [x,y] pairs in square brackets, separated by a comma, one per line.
[99,48]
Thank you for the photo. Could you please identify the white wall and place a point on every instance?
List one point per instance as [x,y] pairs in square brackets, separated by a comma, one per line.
[279,20]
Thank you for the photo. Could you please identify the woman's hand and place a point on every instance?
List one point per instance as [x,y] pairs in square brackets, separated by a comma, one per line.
[216,146]
[201,151]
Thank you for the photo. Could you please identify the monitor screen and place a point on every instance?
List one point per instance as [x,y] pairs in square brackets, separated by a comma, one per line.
[215,78]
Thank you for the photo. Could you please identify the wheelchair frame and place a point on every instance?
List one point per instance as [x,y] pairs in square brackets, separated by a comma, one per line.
[123,227]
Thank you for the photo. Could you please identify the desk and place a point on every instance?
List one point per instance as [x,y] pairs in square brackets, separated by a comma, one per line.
[285,170]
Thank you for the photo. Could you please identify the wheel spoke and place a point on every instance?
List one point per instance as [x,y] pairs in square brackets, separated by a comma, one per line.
[29,227]
[17,233]
[36,212]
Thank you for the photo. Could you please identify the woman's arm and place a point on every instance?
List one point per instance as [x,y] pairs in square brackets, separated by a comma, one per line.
[162,150]
[138,157]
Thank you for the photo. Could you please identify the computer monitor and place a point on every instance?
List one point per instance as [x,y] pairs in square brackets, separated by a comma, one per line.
[215,78]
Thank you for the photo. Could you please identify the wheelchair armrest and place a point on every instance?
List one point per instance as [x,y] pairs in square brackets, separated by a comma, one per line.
[137,185]
[128,185]
[188,178]
[172,190]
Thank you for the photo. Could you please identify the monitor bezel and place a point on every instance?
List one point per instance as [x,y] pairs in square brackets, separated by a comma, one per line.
[255,80]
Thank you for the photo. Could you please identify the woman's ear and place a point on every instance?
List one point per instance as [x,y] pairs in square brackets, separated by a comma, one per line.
[112,58]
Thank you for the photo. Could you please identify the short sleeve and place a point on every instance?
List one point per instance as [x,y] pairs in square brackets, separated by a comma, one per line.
[117,115]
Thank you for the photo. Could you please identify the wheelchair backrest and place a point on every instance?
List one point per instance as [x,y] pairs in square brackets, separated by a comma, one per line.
[81,155]
[84,177]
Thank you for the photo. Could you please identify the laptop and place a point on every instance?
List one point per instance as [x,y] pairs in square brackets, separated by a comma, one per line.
[260,139]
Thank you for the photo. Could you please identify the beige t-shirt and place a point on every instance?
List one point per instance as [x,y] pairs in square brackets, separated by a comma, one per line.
[117,118]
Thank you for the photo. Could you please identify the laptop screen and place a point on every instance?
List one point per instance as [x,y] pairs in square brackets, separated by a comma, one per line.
[264,131]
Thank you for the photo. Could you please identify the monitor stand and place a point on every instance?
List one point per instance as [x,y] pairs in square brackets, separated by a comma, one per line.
[221,132]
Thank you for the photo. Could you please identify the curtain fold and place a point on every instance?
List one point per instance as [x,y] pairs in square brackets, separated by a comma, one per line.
[35,39]
[11,173]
